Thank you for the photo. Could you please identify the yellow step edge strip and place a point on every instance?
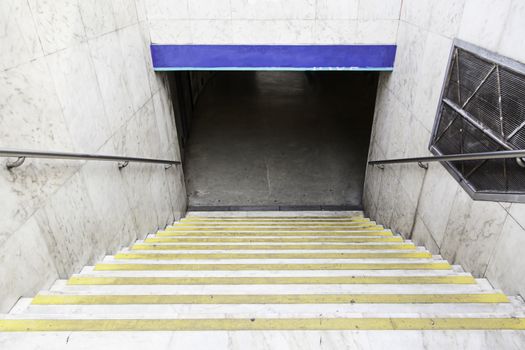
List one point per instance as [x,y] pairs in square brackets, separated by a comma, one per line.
[80,280]
[270,233]
[312,217]
[273,267]
[272,224]
[275,240]
[167,256]
[259,324]
[45,299]
[402,246]
[275,229]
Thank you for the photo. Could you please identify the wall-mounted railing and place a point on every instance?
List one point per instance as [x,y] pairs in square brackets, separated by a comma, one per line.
[510,187]
[518,154]
[122,161]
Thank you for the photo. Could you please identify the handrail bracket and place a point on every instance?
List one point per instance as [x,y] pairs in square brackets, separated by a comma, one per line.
[15,163]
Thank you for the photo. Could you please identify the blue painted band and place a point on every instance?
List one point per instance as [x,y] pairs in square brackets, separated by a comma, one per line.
[281,57]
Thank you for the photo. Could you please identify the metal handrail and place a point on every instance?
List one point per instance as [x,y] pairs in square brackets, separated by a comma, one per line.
[518,154]
[123,161]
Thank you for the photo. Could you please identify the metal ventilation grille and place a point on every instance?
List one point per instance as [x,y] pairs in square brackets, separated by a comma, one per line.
[483,109]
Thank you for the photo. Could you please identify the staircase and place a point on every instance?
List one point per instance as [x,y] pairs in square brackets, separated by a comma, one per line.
[273,281]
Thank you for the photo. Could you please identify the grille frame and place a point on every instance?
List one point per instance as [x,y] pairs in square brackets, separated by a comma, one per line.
[500,63]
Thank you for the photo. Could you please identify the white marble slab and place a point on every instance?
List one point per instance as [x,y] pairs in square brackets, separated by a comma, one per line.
[125,12]
[58,22]
[336,9]
[482,22]
[97,16]
[18,37]
[26,265]
[379,9]
[71,228]
[506,266]
[80,97]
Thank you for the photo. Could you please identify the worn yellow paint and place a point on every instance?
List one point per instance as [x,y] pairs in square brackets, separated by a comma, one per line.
[385,233]
[273,240]
[167,256]
[355,246]
[274,229]
[61,299]
[271,224]
[82,280]
[229,324]
[273,267]
[274,218]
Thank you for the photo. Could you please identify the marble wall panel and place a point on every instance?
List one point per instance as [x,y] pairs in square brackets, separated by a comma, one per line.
[110,68]
[107,190]
[80,98]
[436,200]
[125,12]
[379,9]
[71,228]
[382,31]
[514,32]
[272,22]
[25,265]
[482,231]
[330,9]
[273,31]
[403,213]
[506,266]
[421,236]
[339,31]
[457,220]
[30,118]
[417,12]
[135,73]
[167,9]
[272,9]
[58,23]
[216,31]
[432,70]
[165,31]
[483,23]
[97,16]
[446,17]
[18,37]
[204,9]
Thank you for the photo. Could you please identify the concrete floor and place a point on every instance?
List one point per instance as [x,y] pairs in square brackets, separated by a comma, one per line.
[280,138]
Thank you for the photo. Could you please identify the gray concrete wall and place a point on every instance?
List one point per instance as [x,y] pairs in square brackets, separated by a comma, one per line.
[486,238]
[76,76]
[273,21]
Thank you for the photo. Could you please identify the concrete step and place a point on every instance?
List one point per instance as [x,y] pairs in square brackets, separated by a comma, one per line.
[95,280]
[274,233]
[272,273]
[244,296]
[263,340]
[141,245]
[172,259]
[280,240]
[218,215]
[291,251]
[272,289]
[204,256]
[248,311]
